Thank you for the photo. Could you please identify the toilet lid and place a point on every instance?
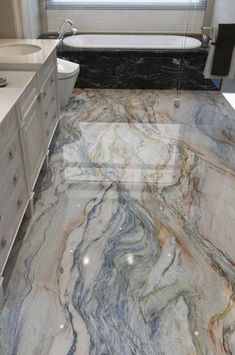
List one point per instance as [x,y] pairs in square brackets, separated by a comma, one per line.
[66,69]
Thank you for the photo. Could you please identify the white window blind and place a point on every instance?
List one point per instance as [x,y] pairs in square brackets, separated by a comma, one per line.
[128,4]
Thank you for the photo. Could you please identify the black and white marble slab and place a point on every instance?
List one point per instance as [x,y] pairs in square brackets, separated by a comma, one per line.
[131,247]
[118,69]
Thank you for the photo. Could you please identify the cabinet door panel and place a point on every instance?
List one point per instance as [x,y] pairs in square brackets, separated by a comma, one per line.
[8,128]
[33,141]
[50,105]
[11,217]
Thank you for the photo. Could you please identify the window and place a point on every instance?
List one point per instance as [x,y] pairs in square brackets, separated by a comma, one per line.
[125,4]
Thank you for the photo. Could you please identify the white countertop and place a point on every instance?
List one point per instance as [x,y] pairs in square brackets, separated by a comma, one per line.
[10,94]
[29,61]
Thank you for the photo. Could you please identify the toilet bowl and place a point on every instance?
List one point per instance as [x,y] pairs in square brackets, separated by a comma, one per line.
[67,76]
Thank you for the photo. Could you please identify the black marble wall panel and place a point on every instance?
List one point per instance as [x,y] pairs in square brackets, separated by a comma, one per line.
[140,70]
[191,75]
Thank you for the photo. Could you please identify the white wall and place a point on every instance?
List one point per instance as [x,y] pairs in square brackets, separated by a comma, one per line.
[224,11]
[22,18]
[7,24]
[129,20]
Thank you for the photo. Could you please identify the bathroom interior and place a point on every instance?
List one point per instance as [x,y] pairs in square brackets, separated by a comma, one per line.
[117,177]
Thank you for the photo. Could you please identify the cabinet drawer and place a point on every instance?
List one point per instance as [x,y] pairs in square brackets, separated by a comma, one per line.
[51,115]
[51,122]
[10,159]
[7,129]
[49,92]
[28,96]
[50,131]
[10,219]
[15,178]
[47,68]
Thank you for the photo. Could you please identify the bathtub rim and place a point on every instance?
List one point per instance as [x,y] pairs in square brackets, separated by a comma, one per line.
[67,42]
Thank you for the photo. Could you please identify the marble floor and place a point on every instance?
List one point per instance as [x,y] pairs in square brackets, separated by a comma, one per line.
[131,249]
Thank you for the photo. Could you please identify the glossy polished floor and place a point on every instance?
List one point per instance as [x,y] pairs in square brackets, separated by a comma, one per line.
[131,249]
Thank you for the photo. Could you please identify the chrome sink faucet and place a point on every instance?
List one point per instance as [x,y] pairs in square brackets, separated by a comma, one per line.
[63,29]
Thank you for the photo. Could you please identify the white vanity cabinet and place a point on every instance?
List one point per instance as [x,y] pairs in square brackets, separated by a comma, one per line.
[14,194]
[29,114]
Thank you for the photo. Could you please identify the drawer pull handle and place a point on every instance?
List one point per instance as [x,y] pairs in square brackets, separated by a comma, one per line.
[44,94]
[19,203]
[3,243]
[52,81]
[11,154]
[15,179]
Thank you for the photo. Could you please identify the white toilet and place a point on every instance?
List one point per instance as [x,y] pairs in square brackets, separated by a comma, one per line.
[67,75]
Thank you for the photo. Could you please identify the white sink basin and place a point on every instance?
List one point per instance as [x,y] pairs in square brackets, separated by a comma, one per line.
[18,49]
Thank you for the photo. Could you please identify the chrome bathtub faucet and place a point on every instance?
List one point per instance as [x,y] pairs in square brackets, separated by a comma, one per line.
[63,29]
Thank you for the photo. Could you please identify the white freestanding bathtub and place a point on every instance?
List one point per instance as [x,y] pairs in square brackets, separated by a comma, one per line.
[126,41]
